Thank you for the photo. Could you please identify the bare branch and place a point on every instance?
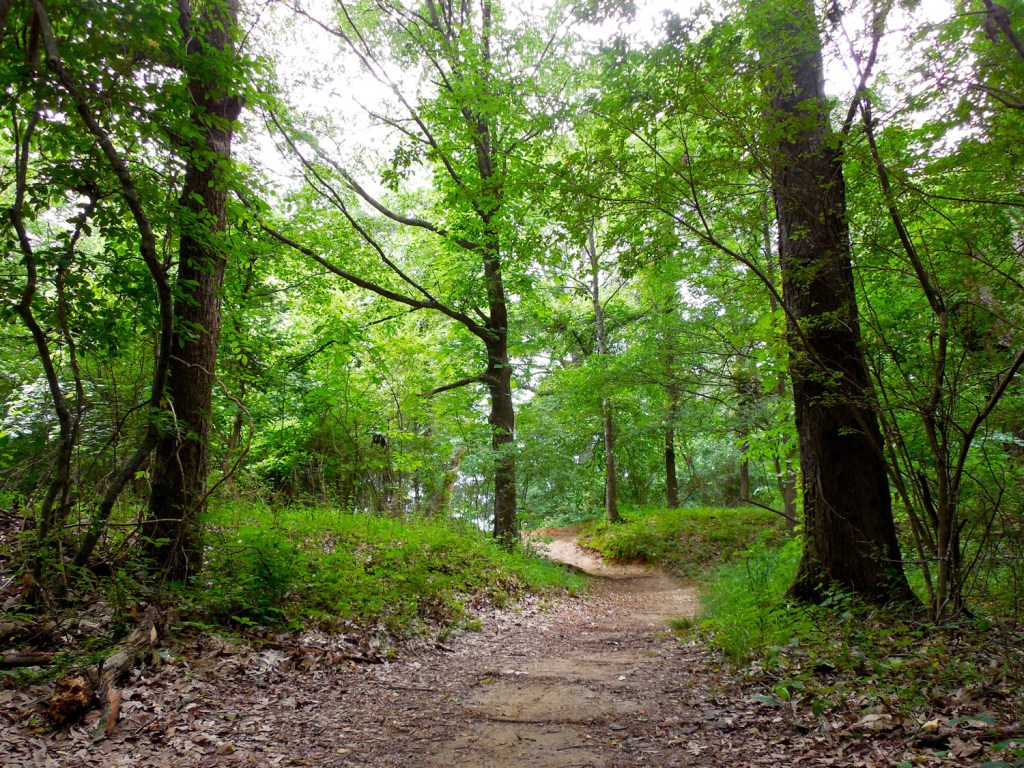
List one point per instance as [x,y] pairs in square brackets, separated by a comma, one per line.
[877,28]
[454,385]
[773,510]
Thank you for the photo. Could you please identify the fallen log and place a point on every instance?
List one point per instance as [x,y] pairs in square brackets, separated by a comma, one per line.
[80,689]
[25,659]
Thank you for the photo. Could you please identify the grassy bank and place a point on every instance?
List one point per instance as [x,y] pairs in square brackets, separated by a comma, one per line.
[320,567]
[688,542]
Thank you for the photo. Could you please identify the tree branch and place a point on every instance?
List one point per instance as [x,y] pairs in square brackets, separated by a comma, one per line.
[454,385]
[368,285]
[778,512]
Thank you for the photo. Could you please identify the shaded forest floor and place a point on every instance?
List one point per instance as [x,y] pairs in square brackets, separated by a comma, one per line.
[582,681]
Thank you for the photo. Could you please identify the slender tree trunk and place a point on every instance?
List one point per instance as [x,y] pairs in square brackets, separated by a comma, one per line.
[785,472]
[611,499]
[671,480]
[180,463]
[850,534]
[51,511]
[148,251]
[744,472]
[439,502]
[233,451]
[502,421]
[498,375]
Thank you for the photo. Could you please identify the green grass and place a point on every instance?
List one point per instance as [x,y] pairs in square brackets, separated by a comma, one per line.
[844,659]
[317,567]
[743,610]
[688,542]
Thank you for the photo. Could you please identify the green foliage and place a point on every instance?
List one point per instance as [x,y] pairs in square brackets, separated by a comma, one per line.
[742,603]
[686,541]
[846,659]
[659,148]
[303,567]
[250,574]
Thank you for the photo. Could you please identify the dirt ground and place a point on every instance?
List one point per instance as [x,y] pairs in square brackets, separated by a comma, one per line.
[580,681]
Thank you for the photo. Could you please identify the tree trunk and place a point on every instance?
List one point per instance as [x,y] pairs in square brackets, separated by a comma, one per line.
[611,500]
[498,375]
[850,536]
[671,477]
[744,472]
[180,463]
[671,480]
[785,472]
[785,480]
[439,502]
[502,420]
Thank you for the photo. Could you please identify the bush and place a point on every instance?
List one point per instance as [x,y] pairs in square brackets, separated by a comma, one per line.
[743,604]
[249,574]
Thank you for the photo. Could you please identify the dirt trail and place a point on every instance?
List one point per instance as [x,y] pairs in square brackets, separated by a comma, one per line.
[586,684]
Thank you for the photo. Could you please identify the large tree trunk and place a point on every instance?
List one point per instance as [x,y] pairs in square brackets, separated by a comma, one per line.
[181,458]
[850,537]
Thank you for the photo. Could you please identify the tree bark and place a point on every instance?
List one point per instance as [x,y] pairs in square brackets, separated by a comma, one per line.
[502,419]
[850,536]
[498,375]
[180,463]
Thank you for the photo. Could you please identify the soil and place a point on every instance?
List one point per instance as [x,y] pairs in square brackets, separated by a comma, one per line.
[596,680]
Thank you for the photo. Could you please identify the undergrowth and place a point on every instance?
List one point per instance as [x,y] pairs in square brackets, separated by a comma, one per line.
[844,664]
[743,607]
[314,567]
[688,542]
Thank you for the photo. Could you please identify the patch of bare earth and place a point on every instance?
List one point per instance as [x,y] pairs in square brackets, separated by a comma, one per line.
[583,681]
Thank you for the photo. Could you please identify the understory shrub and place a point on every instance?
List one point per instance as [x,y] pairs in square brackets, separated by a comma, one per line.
[846,659]
[743,605]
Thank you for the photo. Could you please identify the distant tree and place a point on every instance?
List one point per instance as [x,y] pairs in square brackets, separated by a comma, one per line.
[471,128]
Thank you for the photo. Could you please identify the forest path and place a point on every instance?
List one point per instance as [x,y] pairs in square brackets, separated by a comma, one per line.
[588,681]
[596,680]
